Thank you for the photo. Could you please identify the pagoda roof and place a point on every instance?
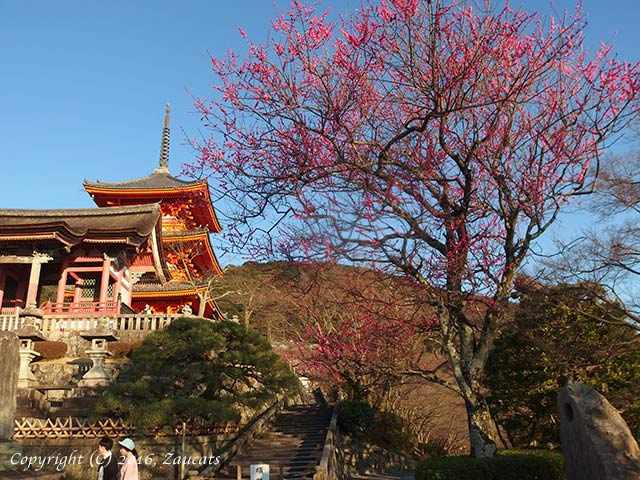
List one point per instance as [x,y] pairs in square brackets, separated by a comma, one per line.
[129,225]
[172,290]
[160,185]
[185,234]
[159,180]
[206,258]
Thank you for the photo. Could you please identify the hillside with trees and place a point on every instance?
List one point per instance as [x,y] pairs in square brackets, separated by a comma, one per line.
[368,337]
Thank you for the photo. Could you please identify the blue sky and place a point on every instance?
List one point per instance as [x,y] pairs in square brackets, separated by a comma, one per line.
[83,83]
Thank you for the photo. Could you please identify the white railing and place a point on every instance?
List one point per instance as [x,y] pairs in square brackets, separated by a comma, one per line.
[9,322]
[88,321]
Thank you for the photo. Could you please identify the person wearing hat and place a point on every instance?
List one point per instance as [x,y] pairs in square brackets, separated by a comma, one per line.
[129,469]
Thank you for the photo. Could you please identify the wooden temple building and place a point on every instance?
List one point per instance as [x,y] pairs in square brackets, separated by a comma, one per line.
[145,249]
[66,260]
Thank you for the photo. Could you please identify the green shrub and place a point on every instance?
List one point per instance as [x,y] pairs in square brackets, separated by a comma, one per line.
[50,350]
[508,465]
[195,368]
[355,417]
[388,431]
[385,429]
[432,448]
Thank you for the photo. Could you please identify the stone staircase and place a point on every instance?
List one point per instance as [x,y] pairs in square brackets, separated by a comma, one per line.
[292,446]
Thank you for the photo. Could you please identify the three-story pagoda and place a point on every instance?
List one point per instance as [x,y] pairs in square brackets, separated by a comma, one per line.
[188,217]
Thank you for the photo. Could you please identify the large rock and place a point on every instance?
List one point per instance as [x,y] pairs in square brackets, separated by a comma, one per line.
[596,441]
[9,367]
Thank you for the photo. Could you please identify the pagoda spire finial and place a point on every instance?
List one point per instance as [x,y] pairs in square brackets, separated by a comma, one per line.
[164,147]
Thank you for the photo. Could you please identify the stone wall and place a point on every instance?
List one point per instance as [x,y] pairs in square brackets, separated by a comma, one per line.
[77,345]
[356,456]
[58,380]
[8,382]
[67,371]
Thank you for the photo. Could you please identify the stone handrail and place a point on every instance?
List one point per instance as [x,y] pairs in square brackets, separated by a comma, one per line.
[9,323]
[89,321]
[327,467]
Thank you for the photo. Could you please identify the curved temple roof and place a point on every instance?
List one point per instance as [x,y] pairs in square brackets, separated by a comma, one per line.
[158,180]
[130,225]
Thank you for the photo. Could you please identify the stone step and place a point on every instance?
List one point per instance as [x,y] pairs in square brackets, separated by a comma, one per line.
[292,431]
[265,445]
[275,455]
[294,439]
[308,454]
[266,449]
[285,462]
[274,471]
[286,448]
[292,446]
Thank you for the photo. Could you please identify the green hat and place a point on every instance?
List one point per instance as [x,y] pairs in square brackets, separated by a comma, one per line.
[127,443]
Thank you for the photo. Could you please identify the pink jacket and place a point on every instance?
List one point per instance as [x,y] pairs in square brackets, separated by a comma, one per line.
[129,469]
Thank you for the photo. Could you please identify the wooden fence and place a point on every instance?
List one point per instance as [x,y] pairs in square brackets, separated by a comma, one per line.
[74,427]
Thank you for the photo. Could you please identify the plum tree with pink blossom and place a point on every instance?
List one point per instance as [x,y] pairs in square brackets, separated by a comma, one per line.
[432,138]
[362,333]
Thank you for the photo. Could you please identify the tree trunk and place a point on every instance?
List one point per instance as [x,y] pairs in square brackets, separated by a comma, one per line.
[482,431]
[467,356]
[201,306]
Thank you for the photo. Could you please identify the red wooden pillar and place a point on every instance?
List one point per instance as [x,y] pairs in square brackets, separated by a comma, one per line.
[3,279]
[62,282]
[123,286]
[34,283]
[34,278]
[104,280]
[77,290]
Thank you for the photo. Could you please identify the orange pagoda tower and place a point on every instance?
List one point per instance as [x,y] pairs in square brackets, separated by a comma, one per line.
[188,217]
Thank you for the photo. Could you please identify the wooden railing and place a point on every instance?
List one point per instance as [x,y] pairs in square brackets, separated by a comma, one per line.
[80,307]
[11,307]
[68,427]
[74,427]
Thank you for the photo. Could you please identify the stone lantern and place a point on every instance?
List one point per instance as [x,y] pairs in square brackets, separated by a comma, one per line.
[99,337]
[28,333]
